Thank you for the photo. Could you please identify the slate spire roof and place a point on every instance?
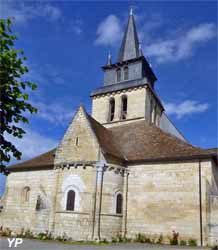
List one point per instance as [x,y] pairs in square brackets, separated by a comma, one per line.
[130,44]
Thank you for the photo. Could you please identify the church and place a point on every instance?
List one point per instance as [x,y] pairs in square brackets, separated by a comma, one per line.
[124,170]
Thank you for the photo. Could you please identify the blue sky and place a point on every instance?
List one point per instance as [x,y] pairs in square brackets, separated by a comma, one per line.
[66,43]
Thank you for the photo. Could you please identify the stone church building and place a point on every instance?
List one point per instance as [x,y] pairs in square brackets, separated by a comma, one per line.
[123,170]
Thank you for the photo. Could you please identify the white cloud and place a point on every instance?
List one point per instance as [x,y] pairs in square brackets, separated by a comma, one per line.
[32,144]
[76,26]
[109,31]
[23,12]
[185,108]
[55,113]
[181,47]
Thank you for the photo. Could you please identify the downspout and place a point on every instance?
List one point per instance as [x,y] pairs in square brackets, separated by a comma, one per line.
[94,209]
[125,226]
[55,200]
[100,203]
[200,204]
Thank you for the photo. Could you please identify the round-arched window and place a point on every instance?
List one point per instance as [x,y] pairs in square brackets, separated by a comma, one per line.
[71,200]
[126,73]
[119,203]
[118,75]
[123,107]
[111,109]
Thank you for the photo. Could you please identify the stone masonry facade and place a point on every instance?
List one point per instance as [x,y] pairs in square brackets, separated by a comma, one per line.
[125,170]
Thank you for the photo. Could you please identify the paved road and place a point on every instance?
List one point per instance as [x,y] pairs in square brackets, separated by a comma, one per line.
[50,245]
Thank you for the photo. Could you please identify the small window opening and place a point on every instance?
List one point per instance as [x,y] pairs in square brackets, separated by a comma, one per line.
[26,194]
[70,200]
[118,75]
[111,109]
[119,204]
[77,141]
[124,107]
[39,203]
[126,73]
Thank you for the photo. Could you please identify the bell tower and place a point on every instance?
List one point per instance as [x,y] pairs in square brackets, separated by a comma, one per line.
[128,86]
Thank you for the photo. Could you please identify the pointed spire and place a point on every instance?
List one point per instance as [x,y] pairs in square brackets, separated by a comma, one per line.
[130,44]
[109,61]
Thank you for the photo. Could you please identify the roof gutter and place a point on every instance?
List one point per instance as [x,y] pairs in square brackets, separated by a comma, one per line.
[30,168]
[173,159]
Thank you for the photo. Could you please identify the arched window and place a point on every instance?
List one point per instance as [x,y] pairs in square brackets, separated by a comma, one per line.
[119,203]
[26,194]
[70,200]
[118,75]
[111,109]
[123,107]
[126,73]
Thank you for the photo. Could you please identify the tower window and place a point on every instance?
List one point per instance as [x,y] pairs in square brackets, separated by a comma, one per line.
[119,203]
[123,107]
[70,200]
[126,73]
[111,109]
[118,75]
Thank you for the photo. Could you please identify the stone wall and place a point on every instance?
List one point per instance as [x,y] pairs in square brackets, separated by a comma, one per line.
[213,225]
[17,213]
[165,197]
[111,223]
[136,105]
[79,142]
[75,224]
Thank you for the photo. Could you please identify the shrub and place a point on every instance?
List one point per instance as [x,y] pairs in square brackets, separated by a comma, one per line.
[28,234]
[183,243]
[174,239]
[192,242]
[6,232]
[160,240]
[44,236]
[114,240]
[141,238]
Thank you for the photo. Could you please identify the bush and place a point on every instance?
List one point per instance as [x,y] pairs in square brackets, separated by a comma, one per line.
[114,240]
[183,243]
[192,242]
[6,232]
[141,238]
[44,236]
[160,240]
[28,234]
[174,239]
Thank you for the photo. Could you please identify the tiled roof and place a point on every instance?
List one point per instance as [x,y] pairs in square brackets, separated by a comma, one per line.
[106,139]
[45,160]
[136,141]
[142,141]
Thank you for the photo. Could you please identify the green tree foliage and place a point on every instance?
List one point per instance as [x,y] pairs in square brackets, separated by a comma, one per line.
[13,98]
